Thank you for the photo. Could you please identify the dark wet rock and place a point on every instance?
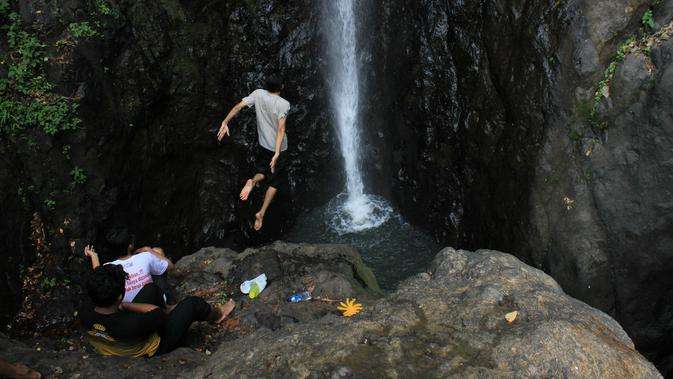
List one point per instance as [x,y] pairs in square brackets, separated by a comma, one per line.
[481,132]
[154,87]
[447,322]
[329,272]
[600,211]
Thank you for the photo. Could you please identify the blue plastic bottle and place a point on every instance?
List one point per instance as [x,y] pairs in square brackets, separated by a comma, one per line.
[299,297]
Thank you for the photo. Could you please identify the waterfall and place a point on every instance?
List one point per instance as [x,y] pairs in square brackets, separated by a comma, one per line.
[356,211]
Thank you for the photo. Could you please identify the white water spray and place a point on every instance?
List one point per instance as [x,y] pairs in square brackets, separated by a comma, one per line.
[356,211]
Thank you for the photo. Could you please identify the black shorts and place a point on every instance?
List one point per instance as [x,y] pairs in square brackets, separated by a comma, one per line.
[263,161]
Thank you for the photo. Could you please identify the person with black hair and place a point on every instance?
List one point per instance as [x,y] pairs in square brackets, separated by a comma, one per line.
[146,268]
[271,111]
[114,327]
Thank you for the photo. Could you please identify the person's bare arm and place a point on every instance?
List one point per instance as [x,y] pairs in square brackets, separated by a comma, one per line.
[159,253]
[91,254]
[137,307]
[224,128]
[279,143]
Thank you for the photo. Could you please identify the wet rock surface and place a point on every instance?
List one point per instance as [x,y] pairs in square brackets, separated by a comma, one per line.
[153,87]
[483,133]
[600,215]
[448,322]
[329,272]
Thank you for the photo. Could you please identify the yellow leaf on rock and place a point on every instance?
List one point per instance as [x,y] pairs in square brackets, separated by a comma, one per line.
[511,316]
[350,307]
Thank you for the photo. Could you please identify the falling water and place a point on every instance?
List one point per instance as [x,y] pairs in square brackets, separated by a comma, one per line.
[393,248]
[354,210]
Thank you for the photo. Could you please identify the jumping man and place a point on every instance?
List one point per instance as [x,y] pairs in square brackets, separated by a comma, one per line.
[271,111]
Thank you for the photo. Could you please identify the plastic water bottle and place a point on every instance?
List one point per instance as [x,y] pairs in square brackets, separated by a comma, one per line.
[299,297]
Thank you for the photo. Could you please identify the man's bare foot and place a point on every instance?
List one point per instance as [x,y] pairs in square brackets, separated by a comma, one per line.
[245,192]
[224,311]
[259,219]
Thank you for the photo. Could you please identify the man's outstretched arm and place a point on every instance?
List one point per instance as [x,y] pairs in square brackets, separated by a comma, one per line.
[224,129]
[279,143]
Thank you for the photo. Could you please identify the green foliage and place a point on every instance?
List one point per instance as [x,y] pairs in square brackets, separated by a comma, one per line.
[26,97]
[23,194]
[552,180]
[648,19]
[575,135]
[105,9]
[603,87]
[647,50]
[50,204]
[51,114]
[78,176]
[4,7]
[624,48]
[49,282]
[82,30]
[66,151]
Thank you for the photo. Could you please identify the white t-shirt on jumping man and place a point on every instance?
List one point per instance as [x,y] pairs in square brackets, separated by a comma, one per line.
[140,268]
[269,109]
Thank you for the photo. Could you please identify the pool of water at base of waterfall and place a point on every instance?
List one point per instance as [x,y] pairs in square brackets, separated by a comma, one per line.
[394,250]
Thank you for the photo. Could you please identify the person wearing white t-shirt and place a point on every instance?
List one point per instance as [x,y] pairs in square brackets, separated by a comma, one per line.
[140,267]
[271,112]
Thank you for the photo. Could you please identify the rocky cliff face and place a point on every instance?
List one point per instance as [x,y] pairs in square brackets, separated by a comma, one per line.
[540,127]
[153,81]
[600,212]
[447,322]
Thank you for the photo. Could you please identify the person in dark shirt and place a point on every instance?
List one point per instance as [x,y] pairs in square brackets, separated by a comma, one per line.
[114,327]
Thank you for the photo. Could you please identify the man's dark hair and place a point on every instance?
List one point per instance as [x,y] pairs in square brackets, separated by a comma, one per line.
[120,241]
[106,284]
[273,84]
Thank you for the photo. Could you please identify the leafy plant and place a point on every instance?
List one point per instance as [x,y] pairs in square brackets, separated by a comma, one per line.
[575,135]
[78,176]
[50,204]
[648,19]
[23,195]
[82,30]
[26,97]
[66,151]
[552,179]
[105,9]
[624,48]
[48,283]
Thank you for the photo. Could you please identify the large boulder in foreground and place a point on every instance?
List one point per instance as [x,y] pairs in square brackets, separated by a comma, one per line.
[449,321]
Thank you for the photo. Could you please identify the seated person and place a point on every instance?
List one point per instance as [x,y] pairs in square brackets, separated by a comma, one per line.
[145,266]
[114,327]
